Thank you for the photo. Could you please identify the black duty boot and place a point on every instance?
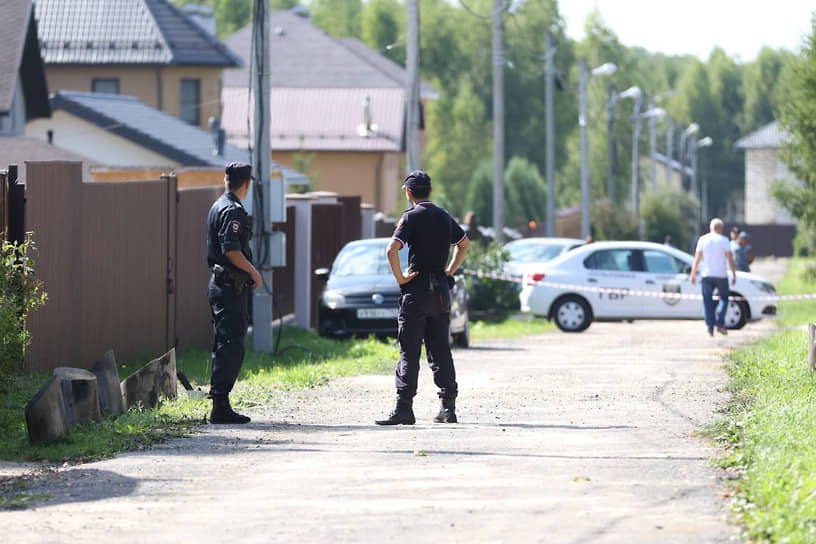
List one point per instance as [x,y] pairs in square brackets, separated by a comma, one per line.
[402,414]
[447,413]
[222,412]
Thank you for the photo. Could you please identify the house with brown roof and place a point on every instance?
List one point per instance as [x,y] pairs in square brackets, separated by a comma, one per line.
[149,49]
[336,105]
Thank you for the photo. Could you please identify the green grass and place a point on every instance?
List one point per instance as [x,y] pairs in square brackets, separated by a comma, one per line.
[770,425]
[801,278]
[509,328]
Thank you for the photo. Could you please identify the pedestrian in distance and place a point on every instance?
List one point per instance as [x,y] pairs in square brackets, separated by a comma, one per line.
[743,252]
[667,241]
[425,298]
[734,233]
[229,230]
[714,252]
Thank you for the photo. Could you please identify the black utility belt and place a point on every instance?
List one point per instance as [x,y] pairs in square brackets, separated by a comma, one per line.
[227,275]
[431,281]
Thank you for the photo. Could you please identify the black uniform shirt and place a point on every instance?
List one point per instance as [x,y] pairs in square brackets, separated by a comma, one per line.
[428,231]
[228,228]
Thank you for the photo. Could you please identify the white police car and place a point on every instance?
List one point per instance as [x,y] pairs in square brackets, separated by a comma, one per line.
[629,267]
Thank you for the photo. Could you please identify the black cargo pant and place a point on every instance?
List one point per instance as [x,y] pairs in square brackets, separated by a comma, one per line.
[424,314]
[229,316]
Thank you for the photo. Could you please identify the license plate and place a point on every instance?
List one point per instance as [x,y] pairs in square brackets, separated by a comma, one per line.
[377,313]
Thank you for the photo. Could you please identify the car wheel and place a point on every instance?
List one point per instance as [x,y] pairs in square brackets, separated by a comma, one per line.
[462,339]
[737,314]
[572,314]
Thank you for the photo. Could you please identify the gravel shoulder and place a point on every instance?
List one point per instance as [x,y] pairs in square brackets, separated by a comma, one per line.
[563,438]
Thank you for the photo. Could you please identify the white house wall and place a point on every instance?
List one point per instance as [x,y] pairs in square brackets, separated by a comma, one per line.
[99,145]
[762,169]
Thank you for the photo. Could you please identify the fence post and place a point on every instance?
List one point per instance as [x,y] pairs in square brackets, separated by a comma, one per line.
[812,345]
[3,204]
[16,207]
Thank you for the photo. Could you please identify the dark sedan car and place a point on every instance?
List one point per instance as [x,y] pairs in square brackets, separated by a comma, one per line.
[362,297]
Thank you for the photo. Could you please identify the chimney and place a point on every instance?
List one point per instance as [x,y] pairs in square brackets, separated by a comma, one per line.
[202,16]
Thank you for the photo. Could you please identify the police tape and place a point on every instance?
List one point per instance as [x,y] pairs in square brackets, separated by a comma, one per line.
[672,295]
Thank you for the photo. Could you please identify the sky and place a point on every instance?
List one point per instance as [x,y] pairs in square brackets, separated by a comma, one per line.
[675,27]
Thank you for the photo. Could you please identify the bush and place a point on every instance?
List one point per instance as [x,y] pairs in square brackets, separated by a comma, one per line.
[486,295]
[612,222]
[670,212]
[20,292]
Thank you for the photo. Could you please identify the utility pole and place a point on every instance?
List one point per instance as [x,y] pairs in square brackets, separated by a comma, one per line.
[412,94]
[611,102]
[498,119]
[583,76]
[669,148]
[262,301]
[636,119]
[550,134]
[652,143]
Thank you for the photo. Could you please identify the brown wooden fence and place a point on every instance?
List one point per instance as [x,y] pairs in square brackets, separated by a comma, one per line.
[124,264]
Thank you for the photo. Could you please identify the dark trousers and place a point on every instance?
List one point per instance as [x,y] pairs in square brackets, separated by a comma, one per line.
[229,316]
[424,314]
[711,307]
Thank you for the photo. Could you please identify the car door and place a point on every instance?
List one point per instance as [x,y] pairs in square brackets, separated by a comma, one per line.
[613,268]
[667,274]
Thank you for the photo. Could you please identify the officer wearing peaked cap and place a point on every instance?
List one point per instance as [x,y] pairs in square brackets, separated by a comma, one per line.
[229,229]
[425,301]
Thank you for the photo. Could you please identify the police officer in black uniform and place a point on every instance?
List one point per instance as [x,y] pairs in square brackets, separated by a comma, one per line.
[229,229]
[424,314]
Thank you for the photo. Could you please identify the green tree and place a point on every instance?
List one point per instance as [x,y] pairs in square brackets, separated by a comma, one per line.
[230,15]
[280,5]
[525,193]
[480,193]
[797,108]
[381,28]
[458,138]
[339,18]
[761,80]
[669,211]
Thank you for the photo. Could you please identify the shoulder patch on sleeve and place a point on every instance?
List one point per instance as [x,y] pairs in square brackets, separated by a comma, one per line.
[235,226]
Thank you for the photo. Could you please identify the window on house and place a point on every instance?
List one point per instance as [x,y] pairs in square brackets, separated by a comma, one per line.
[190,109]
[105,85]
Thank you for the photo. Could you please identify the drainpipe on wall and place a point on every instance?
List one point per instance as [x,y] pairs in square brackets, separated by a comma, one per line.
[159,101]
[378,192]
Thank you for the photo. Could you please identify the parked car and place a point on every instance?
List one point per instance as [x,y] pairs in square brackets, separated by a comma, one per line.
[527,253]
[361,296]
[635,266]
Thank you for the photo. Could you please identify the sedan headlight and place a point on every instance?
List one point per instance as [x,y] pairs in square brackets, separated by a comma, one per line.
[332,299]
[764,286]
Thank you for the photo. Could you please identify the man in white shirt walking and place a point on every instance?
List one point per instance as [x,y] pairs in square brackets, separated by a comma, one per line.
[714,250]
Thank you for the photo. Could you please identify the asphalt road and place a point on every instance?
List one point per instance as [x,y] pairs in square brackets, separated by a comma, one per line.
[563,438]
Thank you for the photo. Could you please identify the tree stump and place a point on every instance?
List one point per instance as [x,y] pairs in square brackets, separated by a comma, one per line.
[45,414]
[81,394]
[107,381]
[156,378]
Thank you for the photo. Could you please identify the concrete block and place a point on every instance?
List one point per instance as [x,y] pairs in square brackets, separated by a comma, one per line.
[107,380]
[81,394]
[45,414]
[156,378]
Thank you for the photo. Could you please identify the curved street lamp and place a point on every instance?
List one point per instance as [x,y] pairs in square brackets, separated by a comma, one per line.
[583,76]
[702,142]
[636,94]
[693,128]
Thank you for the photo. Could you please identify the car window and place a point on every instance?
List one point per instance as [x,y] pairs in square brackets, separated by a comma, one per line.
[530,252]
[365,259]
[612,259]
[660,262]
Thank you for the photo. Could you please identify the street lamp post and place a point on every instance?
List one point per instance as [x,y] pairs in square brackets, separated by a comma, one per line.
[702,142]
[637,95]
[669,147]
[654,116]
[611,102]
[681,151]
[583,77]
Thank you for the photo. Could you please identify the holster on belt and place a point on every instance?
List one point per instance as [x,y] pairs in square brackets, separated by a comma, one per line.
[229,275]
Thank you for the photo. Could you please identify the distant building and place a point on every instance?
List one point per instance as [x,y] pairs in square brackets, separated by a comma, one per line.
[332,99]
[150,49]
[762,168]
[23,89]
[121,136]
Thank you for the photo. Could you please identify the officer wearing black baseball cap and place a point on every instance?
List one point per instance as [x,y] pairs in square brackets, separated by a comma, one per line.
[424,313]
[229,229]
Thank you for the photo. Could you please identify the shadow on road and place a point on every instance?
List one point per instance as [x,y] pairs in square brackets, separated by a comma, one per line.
[43,489]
